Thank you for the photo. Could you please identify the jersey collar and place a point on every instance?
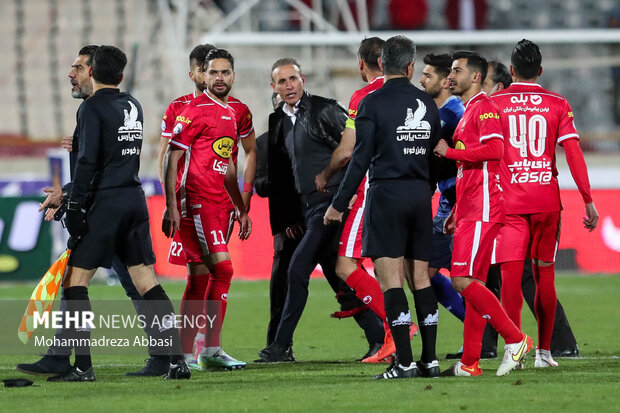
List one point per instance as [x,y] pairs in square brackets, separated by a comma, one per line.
[214,101]
[474,98]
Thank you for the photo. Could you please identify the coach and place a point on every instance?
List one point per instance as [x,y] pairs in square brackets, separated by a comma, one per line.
[397,128]
[303,133]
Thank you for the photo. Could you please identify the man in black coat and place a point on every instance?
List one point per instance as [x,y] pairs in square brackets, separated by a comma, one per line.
[303,133]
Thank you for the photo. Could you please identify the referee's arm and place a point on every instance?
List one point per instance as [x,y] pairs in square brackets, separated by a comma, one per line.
[88,154]
[359,163]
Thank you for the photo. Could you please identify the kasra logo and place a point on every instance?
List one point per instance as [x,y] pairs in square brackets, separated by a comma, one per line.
[224,146]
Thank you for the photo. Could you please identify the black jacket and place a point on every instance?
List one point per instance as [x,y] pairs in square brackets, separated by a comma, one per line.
[323,119]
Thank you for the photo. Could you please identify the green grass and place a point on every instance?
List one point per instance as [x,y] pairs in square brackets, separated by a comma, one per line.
[327,378]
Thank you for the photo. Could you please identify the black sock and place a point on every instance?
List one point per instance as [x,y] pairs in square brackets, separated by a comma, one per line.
[162,308]
[428,315]
[399,320]
[372,326]
[78,302]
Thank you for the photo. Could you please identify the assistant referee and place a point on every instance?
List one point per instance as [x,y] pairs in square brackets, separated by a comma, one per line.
[397,128]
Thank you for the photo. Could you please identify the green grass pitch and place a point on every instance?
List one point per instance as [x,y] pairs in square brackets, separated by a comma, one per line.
[327,377]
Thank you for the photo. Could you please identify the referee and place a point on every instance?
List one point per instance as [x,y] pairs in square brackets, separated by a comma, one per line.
[107,213]
[397,128]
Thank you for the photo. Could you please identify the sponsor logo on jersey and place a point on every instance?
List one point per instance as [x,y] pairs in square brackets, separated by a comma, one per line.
[183,119]
[224,146]
[536,100]
[226,117]
[460,264]
[132,127]
[415,127]
[220,167]
[177,128]
[163,124]
[459,145]
[489,115]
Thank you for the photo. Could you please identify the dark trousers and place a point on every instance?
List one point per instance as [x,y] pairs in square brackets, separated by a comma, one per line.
[319,245]
[130,290]
[283,249]
[562,337]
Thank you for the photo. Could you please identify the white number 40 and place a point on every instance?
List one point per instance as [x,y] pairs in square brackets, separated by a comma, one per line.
[524,134]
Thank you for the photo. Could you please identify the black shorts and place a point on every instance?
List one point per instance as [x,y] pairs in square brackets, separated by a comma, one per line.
[398,220]
[441,256]
[118,223]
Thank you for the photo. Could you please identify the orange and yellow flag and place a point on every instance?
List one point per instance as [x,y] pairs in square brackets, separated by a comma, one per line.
[43,296]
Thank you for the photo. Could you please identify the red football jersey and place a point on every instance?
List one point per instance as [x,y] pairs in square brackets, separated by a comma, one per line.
[354,104]
[207,131]
[172,111]
[535,120]
[478,190]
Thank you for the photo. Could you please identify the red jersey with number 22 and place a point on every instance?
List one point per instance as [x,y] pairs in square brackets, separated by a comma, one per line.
[535,120]
[478,190]
[207,131]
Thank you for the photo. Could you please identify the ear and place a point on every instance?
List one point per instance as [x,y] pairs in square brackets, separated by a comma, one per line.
[120,81]
[90,71]
[273,86]
[380,63]
[499,86]
[191,75]
[477,78]
[540,70]
[360,64]
[445,83]
[410,69]
[512,72]
[303,79]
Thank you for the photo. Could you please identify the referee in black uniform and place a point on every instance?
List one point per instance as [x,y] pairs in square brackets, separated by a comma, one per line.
[107,212]
[397,128]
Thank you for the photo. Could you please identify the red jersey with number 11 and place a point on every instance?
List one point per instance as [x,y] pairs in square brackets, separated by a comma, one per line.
[533,120]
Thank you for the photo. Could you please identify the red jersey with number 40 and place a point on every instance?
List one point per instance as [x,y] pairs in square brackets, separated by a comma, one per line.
[207,131]
[478,190]
[534,120]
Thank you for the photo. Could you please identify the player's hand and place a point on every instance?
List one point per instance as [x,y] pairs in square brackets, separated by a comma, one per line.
[295,232]
[53,199]
[67,143]
[247,199]
[321,182]
[449,225]
[591,220]
[170,222]
[245,225]
[332,216]
[442,148]
[352,201]
[49,214]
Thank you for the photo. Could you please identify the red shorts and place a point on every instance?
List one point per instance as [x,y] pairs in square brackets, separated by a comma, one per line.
[204,233]
[472,248]
[350,244]
[533,235]
[177,254]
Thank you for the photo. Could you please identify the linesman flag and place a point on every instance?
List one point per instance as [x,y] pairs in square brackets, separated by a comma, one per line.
[43,296]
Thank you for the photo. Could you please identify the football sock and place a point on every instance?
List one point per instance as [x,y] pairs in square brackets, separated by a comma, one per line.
[512,296]
[487,304]
[399,319]
[367,289]
[447,295]
[162,308]
[374,329]
[216,299]
[192,306]
[77,303]
[473,331]
[428,316]
[545,303]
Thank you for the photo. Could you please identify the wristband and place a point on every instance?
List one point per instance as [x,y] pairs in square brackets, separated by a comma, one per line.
[248,187]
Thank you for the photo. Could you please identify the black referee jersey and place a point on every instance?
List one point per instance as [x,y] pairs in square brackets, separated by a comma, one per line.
[110,141]
[397,128]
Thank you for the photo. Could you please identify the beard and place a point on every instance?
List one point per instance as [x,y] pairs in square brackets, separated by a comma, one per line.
[220,93]
[82,92]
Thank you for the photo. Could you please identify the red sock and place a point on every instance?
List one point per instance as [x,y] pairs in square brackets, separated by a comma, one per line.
[368,290]
[545,302]
[216,299]
[192,306]
[473,330]
[489,307]
[512,295]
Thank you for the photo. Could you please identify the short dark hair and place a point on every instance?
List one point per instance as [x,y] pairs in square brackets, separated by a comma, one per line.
[88,51]
[199,53]
[501,74]
[285,61]
[526,59]
[220,54]
[370,51]
[397,54]
[475,62]
[108,65]
[441,62]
